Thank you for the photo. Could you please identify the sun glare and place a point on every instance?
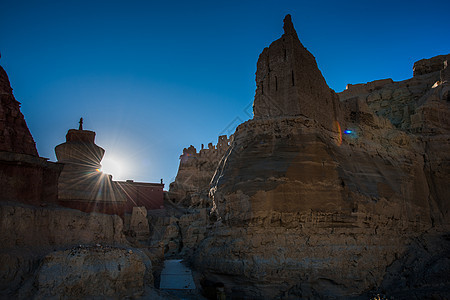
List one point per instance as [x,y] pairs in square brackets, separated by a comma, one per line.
[114,167]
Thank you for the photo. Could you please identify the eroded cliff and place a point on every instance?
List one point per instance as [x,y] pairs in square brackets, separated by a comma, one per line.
[317,195]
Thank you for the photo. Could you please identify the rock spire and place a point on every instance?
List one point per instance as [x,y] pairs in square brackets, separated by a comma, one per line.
[289,83]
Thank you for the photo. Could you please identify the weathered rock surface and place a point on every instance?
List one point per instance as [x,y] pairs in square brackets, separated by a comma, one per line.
[177,232]
[28,233]
[423,271]
[191,186]
[419,107]
[289,82]
[139,223]
[98,271]
[317,198]
[26,226]
[434,64]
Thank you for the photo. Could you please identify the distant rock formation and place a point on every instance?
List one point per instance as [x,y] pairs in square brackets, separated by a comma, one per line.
[317,196]
[192,184]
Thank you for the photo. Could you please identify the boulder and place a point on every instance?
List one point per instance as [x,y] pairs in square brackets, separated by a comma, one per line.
[98,271]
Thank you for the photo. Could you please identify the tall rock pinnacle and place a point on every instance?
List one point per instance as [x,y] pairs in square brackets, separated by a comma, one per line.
[288,27]
[289,83]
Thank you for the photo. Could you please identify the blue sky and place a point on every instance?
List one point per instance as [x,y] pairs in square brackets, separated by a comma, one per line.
[153,77]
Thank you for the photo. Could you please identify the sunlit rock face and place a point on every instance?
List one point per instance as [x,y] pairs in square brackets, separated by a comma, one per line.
[316,197]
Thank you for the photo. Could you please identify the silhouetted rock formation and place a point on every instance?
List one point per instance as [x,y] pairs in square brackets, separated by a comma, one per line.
[316,197]
[289,82]
[24,176]
[14,134]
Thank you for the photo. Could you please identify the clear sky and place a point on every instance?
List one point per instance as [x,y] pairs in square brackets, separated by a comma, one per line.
[153,77]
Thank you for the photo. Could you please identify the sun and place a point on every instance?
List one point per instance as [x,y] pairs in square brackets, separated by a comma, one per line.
[115,167]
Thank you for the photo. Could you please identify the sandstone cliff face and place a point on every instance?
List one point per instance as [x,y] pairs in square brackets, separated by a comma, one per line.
[318,198]
[49,227]
[419,107]
[192,184]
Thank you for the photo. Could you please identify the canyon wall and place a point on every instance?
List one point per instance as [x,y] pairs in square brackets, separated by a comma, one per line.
[321,192]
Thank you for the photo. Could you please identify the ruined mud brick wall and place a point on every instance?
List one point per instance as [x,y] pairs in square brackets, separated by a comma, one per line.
[141,194]
[192,183]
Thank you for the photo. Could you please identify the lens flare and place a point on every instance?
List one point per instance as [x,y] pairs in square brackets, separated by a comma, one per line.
[337,128]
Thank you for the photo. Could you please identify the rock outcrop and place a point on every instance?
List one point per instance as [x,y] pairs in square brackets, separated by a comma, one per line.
[191,186]
[317,196]
[29,233]
[98,271]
